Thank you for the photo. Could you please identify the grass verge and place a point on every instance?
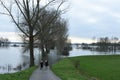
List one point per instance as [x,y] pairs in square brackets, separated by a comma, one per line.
[23,75]
[89,68]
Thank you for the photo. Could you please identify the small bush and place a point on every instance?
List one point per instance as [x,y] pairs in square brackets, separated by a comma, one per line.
[76,64]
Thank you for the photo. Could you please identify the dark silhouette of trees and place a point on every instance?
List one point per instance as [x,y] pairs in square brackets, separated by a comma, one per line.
[103,43]
[52,32]
[107,44]
[4,41]
[26,17]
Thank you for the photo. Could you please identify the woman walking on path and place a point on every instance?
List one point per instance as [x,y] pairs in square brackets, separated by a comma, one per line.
[46,63]
[41,64]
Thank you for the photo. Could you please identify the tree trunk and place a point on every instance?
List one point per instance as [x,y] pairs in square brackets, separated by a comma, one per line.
[43,49]
[43,52]
[31,43]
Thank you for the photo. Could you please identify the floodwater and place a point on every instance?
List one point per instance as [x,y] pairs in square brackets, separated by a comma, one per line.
[13,60]
[82,52]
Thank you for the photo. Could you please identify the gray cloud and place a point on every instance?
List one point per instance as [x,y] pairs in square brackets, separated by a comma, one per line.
[87,19]
[94,18]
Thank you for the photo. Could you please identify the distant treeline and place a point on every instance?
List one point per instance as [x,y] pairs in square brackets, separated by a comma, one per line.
[104,44]
[4,41]
[101,44]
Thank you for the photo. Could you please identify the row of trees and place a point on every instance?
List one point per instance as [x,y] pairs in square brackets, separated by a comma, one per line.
[106,40]
[40,23]
[109,40]
[4,41]
[108,44]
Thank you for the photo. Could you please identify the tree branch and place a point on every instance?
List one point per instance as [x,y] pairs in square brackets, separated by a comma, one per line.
[18,5]
[5,13]
[11,15]
[51,19]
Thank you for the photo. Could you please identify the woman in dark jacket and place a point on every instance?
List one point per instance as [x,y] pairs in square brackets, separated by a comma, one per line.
[41,64]
[46,63]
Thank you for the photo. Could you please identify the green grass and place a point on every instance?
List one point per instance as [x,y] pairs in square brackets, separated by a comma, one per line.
[88,67]
[23,75]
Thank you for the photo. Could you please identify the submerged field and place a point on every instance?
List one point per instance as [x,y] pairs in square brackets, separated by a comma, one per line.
[23,75]
[89,68]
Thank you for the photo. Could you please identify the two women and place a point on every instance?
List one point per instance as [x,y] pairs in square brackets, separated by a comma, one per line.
[42,63]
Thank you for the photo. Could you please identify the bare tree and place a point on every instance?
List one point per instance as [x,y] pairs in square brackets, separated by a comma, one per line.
[4,41]
[52,31]
[27,10]
[61,35]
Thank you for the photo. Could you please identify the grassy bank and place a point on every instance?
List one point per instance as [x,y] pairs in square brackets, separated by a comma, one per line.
[89,68]
[23,75]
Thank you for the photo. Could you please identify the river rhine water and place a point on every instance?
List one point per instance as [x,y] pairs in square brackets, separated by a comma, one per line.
[12,59]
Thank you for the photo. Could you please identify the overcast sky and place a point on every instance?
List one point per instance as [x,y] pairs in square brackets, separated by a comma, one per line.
[87,19]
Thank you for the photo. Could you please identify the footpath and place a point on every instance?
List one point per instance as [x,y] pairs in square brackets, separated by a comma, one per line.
[43,74]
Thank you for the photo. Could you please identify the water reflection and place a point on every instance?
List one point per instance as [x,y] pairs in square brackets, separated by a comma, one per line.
[82,52]
[53,57]
[13,60]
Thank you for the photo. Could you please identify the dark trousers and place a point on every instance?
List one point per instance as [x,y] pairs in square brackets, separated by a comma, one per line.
[41,65]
